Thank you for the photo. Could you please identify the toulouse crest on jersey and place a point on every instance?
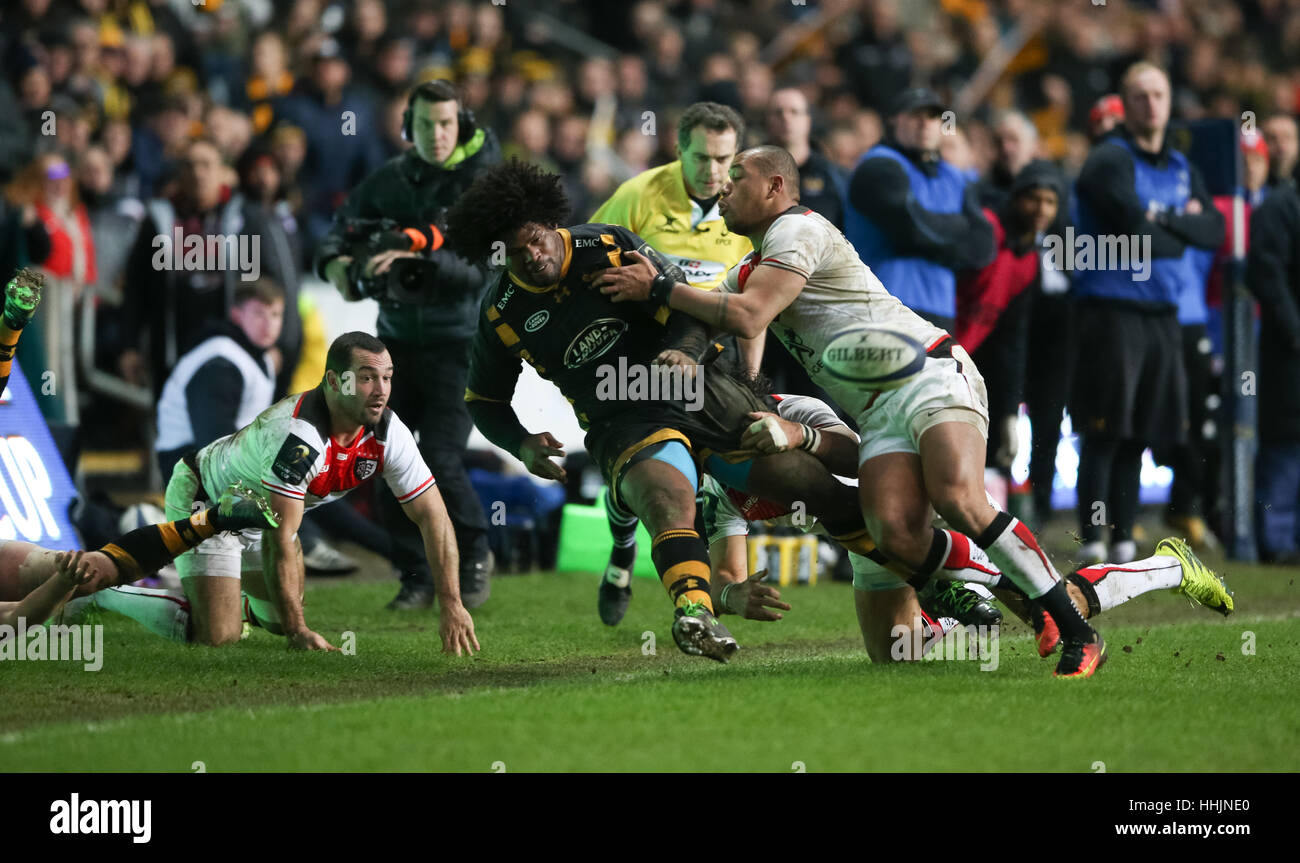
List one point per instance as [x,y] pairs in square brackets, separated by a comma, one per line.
[365,468]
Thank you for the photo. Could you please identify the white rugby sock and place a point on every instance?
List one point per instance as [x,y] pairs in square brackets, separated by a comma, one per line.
[1015,551]
[162,612]
[1108,585]
[966,561]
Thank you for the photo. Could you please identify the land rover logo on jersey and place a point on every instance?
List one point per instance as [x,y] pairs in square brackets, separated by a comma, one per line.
[596,338]
[364,468]
[536,321]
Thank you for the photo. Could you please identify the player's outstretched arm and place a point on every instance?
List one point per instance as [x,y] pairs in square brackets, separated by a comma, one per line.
[455,626]
[732,591]
[285,576]
[72,569]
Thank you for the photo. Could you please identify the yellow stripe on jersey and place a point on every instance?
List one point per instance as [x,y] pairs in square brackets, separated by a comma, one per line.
[508,336]
[471,396]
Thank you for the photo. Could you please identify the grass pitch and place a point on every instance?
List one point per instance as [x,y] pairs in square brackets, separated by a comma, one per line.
[556,690]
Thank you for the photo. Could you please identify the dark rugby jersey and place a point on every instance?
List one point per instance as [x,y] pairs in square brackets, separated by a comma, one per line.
[569,330]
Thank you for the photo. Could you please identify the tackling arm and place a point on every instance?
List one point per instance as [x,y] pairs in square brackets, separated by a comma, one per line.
[768,291]
[834,446]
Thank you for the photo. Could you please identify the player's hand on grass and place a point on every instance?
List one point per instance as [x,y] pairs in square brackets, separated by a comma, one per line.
[536,451]
[456,628]
[753,600]
[627,283]
[305,639]
[770,434]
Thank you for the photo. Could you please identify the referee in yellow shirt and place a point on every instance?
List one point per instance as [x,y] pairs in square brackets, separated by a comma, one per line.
[674,208]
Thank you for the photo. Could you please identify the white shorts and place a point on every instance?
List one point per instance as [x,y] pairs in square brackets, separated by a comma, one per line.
[226,555]
[945,390]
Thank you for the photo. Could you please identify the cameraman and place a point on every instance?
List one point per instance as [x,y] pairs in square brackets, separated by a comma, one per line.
[428,306]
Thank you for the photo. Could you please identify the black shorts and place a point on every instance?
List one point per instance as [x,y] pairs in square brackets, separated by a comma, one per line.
[1129,383]
[716,428]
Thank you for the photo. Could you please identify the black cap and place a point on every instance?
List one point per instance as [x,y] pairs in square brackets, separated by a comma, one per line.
[914,99]
[1039,174]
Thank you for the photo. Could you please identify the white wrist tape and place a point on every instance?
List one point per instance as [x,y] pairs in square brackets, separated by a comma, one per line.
[773,425]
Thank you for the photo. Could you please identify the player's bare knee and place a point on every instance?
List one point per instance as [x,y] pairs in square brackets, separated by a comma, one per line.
[964,509]
[901,537]
[217,637]
[663,509]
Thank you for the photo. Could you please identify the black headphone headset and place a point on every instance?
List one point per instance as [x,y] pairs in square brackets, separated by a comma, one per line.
[439,90]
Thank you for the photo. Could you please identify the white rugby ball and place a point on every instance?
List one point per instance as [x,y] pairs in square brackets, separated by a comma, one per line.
[876,358]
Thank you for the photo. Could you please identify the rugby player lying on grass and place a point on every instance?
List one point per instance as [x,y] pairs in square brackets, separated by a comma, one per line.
[924,443]
[541,312]
[309,449]
[35,582]
[882,596]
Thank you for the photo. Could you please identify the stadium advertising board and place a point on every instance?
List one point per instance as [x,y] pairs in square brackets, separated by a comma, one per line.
[35,489]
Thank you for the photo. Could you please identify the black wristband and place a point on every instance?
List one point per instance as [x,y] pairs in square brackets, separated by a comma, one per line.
[812,439]
[661,288]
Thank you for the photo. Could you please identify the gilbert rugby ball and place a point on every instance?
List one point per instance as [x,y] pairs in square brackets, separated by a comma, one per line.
[876,358]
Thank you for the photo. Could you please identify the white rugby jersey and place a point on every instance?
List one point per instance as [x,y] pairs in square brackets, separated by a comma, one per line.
[288,450]
[841,293]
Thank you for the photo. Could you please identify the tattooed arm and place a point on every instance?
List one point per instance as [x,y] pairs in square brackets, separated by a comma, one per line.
[768,291]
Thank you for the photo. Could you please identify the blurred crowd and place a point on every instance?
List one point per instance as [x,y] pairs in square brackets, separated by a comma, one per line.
[122,114]
[112,90]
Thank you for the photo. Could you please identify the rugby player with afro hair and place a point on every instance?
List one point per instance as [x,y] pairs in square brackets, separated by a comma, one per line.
[651,443]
